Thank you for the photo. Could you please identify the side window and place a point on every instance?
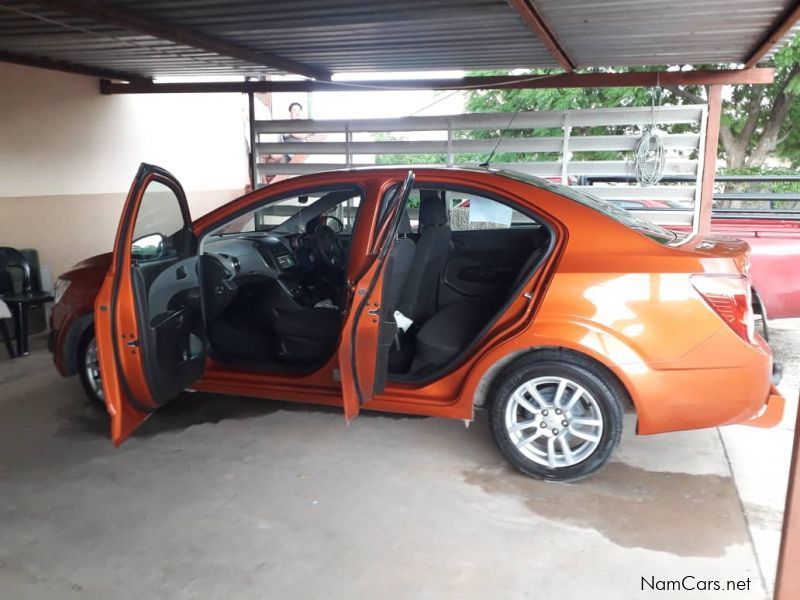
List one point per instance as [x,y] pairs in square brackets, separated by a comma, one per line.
[471,211]
[389,195]
[158,223]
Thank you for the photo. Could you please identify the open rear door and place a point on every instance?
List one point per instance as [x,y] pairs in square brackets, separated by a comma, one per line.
[370,328]
[148,315]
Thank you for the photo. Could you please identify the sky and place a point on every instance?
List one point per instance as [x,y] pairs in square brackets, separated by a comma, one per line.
[362,103]
[368,103]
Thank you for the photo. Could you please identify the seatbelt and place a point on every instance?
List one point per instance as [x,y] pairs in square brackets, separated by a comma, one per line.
[403,323]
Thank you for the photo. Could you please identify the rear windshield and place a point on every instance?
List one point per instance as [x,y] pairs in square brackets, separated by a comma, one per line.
[619,214]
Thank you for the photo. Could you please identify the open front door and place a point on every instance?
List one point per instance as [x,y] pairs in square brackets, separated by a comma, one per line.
[148,315]
[370,328]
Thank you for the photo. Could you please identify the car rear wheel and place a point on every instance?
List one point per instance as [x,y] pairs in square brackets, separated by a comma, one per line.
[89,368]
[760,315]
[555,417]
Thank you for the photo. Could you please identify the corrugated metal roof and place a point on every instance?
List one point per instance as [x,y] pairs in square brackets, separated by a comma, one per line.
[783,41]
[31,30]
[385,35]
[658,32]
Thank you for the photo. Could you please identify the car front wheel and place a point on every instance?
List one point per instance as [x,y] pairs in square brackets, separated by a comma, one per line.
[556,417]
[89,368]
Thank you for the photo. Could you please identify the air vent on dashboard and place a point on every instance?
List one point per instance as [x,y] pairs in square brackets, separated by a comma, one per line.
[266,255]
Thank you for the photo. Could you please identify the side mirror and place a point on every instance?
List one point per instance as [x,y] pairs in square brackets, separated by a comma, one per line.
[149,247]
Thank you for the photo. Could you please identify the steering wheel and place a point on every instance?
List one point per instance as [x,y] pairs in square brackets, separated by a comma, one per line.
[328,248]
[323,220]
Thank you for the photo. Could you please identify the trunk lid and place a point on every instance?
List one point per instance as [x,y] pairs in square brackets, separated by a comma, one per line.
[720,247]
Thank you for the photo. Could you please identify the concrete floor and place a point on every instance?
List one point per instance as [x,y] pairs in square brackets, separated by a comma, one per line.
[760,457]
[220,497]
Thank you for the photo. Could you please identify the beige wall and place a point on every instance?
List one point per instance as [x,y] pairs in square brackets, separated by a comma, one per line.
[68,155]
[66,229]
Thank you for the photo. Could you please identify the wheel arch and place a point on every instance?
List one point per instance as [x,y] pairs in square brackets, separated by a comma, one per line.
[495,373]
[72,341]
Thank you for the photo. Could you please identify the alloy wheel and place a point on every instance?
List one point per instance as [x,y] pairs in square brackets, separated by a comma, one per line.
[554,421]
[91,367]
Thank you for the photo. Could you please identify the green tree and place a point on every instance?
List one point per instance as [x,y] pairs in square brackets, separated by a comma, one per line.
[757,121]
[512,100]
[761,120]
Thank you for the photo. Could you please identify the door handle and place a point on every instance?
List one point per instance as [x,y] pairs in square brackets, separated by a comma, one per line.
[180,273]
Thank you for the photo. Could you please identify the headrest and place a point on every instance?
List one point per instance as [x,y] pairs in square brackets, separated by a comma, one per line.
[405,223]
[432,210]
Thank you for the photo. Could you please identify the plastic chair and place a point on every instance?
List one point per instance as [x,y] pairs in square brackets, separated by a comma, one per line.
[5,314]
[19,300]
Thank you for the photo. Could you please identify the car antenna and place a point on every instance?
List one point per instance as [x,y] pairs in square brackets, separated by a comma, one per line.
[500,139]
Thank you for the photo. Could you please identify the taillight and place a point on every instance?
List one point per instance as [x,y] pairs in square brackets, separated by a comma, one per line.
[731,298]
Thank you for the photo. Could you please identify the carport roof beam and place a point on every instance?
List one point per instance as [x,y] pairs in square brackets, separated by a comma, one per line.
[562,80]
[533,19]
[68,67]
[104,14]
[781,27]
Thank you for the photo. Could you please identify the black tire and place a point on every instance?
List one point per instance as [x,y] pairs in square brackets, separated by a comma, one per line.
[760,313]
[94,397]
[601,387]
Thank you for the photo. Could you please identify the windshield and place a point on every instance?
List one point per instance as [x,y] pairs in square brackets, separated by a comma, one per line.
[294,213]
[341,205]
[619,214]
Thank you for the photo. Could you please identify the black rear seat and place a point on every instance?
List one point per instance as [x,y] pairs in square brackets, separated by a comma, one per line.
[454,327]
[448,332]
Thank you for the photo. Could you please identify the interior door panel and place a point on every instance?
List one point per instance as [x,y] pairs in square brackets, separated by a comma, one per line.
[148,313]
[170,324]
[369,328]
[485,262]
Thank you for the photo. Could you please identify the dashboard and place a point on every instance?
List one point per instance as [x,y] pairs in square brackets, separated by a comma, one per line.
[284,270]
[284,261]
[289,260]
[256,255]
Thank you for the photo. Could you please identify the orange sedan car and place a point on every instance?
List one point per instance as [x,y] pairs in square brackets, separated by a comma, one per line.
[383,289]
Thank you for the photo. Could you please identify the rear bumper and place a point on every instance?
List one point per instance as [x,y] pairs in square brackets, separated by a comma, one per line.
[772,411]
[722,382]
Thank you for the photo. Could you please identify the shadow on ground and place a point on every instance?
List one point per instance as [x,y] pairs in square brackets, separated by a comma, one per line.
[85,420]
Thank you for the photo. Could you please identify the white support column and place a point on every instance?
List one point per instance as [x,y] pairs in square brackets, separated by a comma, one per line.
[701,153]
[565,151]
[449,143]
[348,138]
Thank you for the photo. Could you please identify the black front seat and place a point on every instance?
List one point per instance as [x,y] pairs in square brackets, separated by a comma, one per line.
[418,297]
[402,255]
[307,335]
[311,334]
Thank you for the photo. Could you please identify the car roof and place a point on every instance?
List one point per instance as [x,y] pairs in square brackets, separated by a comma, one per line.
[518,176]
